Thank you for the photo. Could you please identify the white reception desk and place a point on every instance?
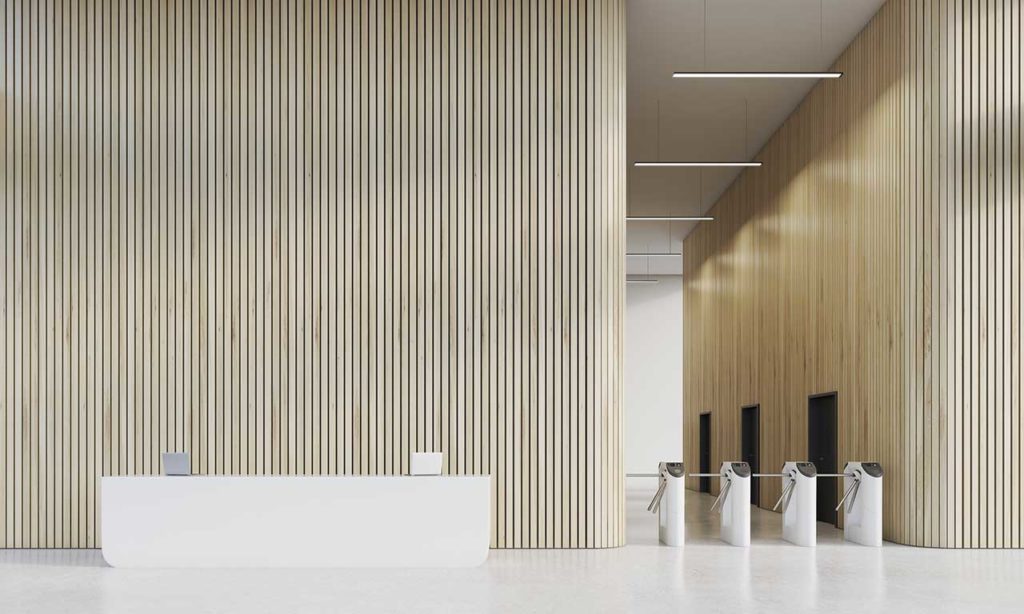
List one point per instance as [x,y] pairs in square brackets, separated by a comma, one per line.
[295,521]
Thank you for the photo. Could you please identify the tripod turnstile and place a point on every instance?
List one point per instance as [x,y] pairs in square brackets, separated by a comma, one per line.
[862,497]
[798,502]
[733,503]
[669,503]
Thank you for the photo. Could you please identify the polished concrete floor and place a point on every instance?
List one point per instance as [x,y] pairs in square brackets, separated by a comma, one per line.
[705,576]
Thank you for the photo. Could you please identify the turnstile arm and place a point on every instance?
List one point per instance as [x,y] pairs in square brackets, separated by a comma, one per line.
[656,501]
[785,491]
[723,494]
[852,490]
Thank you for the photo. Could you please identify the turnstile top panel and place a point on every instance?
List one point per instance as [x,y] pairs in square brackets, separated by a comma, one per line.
[872,469]
[675,469]
[807,468]
[741,469]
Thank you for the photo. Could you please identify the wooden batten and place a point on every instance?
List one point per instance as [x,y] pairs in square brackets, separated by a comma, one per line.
[312,237]
[877,253]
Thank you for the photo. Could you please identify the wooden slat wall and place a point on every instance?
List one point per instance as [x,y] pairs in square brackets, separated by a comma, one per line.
[878,254]
[311,238]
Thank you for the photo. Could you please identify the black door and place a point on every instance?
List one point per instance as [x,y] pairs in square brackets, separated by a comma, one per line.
[705,451]
[751,448]
[822,441]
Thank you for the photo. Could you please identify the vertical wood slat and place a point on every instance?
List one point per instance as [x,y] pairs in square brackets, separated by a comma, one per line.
[312,237]
[882,242]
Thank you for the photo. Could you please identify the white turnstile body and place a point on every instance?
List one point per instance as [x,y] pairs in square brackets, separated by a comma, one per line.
[863,506]
[734,503]
[671,511]
[799,503]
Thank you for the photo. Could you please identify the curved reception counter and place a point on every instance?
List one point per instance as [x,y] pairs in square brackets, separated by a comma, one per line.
[295,521]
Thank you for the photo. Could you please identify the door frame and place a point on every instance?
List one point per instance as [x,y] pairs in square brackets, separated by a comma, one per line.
[836,483]
[704,484]
[755,485]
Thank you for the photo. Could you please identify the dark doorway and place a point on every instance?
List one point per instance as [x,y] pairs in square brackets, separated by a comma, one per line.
[751,448]
[822,444]
[705,451]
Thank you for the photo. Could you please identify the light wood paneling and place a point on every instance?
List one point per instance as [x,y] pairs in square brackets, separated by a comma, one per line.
[311,238]
[878,254]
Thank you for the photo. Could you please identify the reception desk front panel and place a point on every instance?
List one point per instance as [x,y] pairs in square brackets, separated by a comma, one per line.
[296,521]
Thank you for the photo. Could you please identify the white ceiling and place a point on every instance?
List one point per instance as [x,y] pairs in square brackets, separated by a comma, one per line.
[718,119]
[659,239]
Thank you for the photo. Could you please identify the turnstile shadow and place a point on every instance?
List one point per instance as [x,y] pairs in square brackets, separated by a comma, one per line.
[702,525]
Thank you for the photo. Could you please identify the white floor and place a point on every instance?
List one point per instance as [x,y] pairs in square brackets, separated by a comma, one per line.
[705,576]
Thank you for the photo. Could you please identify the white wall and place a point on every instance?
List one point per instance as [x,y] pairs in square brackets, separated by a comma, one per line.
[654,374]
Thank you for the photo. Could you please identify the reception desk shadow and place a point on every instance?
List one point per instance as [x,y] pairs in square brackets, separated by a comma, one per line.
[51,558]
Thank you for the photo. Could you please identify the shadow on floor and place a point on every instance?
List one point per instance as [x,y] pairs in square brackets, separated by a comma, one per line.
[702,523]
[52,558]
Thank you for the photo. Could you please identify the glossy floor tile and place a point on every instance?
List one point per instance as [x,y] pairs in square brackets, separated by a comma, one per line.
[705,576]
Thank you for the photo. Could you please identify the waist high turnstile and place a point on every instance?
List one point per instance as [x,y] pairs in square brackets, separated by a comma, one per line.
[799,503]
[862,495]
[669,503]
[733,503]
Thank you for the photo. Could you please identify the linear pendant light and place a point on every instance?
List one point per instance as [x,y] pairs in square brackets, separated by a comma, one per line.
[756,75]
[675,218]
[691,164]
